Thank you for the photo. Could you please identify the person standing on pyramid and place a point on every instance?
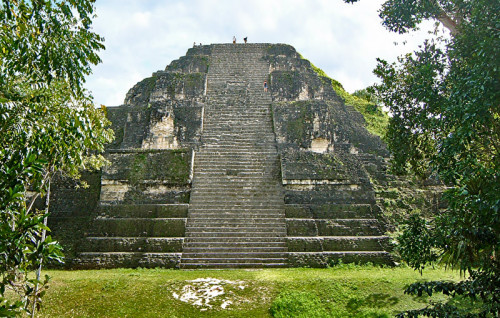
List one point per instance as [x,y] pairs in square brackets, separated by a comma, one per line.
[234,40]
[245,39]
[265,86]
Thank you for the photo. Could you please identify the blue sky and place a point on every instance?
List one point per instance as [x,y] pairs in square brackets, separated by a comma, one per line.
[143,36]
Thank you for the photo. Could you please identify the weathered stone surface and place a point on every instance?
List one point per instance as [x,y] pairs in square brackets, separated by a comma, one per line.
[72,209]
[324,259]
[134,244]
[144,210]
[97,260]
[335,243]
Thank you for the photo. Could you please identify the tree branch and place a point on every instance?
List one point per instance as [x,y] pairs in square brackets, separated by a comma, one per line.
[447,21]
[33,199]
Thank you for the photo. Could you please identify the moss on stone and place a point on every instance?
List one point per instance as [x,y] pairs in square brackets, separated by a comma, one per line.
[193,80]
[167,166]
[138,168]
[119,133]
[376,119]
[173,82]
[297,128]
[141,91]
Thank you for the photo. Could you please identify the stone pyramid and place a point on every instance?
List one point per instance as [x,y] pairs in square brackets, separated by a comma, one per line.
[209,170]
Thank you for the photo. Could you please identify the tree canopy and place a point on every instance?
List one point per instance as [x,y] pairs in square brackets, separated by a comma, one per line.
[48,124]
[444,100]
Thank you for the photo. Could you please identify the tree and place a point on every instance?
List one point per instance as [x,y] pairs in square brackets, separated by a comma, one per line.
[48,124]
[445,105]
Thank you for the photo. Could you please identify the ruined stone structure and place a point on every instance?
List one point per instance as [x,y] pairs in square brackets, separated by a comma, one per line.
[209,171]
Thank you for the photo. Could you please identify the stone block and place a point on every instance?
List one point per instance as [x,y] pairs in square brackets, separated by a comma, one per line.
[298,211]
[304,244]
[347,227]
[139,227]
[144,210]
[325,259]
[133,244]
[301,227]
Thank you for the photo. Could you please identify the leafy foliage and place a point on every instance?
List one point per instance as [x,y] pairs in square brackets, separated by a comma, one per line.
[445,106]
[48,124]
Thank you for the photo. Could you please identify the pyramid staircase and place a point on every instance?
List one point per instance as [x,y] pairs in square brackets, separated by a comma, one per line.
[236,210]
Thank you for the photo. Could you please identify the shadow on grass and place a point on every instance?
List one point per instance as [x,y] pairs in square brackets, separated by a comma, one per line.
[377,300]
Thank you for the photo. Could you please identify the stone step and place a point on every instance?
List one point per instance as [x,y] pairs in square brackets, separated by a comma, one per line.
[133,244]
[236,221]
[243,125]
[244,252]
[249,216]
[223,173]
[233,196]
[243,196]
[336,215]
[235,147]
[246,216]
[220,160]
[211,142]
[100,260]
[336,243]
[228,133]
[325,258]
[239,112]
[231,184]
[228,206]
[338,227]
[201,245]
[144,210]
[235,240]
[228,228]
[236,128]
[236,206]
[247,234]
[230,180]
[236,227]
[139,227]
[185,265]
[224,170]
[254,208]
[242,255]
[328,211]
[228,184]
[230,170]
[241,156]
[209,162]
[245,116]
[224,259]
[241,215]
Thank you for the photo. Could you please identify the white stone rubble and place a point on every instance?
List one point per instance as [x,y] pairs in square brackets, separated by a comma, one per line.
[203,292]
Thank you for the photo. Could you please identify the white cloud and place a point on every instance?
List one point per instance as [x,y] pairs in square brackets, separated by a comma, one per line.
[144,36]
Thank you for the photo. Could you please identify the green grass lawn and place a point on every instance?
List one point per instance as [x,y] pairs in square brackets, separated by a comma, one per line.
[345,291]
